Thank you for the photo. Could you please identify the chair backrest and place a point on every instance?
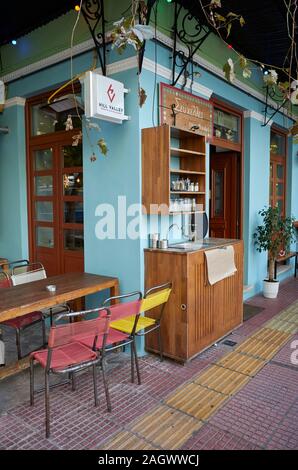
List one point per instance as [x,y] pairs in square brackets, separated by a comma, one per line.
[5,280]
[98,328]
[28,273]
[156,296]
[125,309]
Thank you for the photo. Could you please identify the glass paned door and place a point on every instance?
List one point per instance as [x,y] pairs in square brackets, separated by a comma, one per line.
[278,170]
[44,211]
[71,210]
[57,218]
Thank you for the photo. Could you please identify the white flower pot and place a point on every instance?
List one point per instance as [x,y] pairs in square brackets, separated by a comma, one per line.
[270,289]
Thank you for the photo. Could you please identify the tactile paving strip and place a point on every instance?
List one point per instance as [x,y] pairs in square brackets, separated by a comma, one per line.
[222,380]
[272,336]
[259,349]
[281,325]
[125,440]
[196,400]
[290,315]
[241,363]
[166,428]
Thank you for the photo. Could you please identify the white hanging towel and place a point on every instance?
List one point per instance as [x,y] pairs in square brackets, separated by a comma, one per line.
[220,263]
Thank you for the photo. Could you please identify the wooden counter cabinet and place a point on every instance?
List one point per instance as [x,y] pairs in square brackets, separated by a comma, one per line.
[197,314]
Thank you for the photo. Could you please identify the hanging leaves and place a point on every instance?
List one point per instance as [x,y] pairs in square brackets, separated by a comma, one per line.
[271,78]
[228,70]
[142,96]
[246,72]
[127,33]
[102,146]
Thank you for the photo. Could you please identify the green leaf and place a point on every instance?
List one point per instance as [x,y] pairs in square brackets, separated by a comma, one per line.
[229,26]
[102,146]
[220,18]
[241,21]
[231,14]
[246,72]
[243,62]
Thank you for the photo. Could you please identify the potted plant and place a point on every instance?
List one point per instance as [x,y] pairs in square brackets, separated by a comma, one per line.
[274,236]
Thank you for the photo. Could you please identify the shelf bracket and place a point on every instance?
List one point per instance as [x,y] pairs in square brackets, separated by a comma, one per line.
[183,58]
[93,13]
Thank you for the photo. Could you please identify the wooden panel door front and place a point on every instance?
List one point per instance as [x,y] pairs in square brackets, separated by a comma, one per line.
[56,204]
[224,203]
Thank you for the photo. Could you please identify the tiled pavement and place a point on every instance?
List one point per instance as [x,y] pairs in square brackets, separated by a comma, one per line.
[245,397]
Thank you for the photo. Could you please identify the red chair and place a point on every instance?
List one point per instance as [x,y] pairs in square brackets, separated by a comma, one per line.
[21,323]
[65,354]
[117,338]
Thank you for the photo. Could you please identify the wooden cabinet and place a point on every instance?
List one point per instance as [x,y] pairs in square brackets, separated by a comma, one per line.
[169,154]
[197,314]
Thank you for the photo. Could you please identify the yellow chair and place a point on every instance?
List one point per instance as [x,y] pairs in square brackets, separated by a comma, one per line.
[154,297]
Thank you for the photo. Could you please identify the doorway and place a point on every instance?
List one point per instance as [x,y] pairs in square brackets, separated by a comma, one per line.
[225,193]
[55,187]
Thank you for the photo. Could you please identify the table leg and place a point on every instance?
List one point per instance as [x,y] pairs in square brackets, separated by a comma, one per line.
[115,291]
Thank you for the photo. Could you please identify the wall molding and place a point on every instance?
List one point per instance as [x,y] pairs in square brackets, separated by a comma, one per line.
[166,73]
[120,66]
[255,115]
[15,101]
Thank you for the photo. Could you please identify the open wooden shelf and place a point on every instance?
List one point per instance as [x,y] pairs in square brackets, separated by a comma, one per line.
[188,192]
[162,146]
[187,172]
[185,153]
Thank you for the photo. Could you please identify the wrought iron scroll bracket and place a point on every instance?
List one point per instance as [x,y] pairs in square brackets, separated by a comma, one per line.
[189,32]
[269,115]
[144,18]
[93,13]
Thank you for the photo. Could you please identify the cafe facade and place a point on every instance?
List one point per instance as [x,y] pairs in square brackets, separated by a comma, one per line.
[55,197]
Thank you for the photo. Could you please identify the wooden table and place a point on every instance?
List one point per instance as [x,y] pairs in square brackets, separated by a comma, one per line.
[25,298]
[3,264]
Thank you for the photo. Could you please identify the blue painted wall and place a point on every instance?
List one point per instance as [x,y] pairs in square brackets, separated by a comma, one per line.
[13,195]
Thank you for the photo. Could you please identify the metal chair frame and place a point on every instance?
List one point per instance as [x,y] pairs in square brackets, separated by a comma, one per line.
[19,330]
[131,339]
[100,361]
[167,285]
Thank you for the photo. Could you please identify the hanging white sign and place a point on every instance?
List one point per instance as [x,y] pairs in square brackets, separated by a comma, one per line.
[104,98]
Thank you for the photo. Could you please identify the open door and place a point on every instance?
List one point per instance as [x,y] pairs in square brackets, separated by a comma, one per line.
[225,200]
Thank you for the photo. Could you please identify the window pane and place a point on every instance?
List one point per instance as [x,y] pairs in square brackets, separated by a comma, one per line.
[43,159]
[44,211]
[73,184]
[43,185]
[280,205]
[73,239]
[279,189]
[45,237]
[47,118]
[72,156]
[73,212]
[226,126]
[280,172]
[277,144]
[219,193]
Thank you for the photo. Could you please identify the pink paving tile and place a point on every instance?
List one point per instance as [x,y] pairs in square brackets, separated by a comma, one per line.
[284,355]
[211,438]
[274,386]
[35,442]
[250,420]
[285,437]
[83,429]
[13,431]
